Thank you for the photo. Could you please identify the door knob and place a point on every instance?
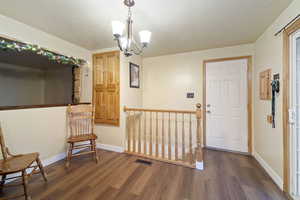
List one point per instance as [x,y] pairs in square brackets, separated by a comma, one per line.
[208,105]
[208,111]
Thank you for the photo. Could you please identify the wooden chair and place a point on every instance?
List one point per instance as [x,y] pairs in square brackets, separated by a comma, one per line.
[81,129]
[12,164]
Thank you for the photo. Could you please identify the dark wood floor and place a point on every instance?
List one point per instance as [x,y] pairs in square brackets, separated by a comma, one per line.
[119,177]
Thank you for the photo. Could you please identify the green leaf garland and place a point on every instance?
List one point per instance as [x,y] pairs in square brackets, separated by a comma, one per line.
[17,46]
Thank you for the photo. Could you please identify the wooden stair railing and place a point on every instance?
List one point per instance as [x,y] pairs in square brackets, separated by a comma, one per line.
[173,136]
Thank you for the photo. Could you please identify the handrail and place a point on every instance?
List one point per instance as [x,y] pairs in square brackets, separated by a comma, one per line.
[159,110]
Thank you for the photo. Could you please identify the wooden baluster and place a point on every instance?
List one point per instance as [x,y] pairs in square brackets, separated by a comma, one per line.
[133,132]
[156,137]
[139,134]
[190,139]
[183,139]
[199,153]
[128,122]
[169,138]
[145,133]
[162,136]
[150,147]
[176,138]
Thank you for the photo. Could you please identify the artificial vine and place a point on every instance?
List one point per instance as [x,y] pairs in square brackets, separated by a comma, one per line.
[61,59]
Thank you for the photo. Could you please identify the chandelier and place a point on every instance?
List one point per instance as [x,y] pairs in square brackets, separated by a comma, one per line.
[126,42]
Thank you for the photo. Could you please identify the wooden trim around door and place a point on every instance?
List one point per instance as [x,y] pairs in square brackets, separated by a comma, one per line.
[249,92]
[286,103]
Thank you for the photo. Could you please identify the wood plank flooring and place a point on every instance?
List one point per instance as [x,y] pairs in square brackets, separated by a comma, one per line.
[227,176]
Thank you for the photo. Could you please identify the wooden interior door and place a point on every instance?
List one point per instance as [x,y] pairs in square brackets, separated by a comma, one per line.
[226,105]
[107,88]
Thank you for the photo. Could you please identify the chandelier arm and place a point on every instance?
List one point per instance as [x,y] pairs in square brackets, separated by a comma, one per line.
[138,47]
[137,50]
[119,44]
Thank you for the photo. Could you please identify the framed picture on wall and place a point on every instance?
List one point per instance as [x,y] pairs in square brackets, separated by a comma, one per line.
[134,73]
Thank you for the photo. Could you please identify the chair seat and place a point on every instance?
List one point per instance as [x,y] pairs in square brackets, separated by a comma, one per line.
[82,138]
[18,163]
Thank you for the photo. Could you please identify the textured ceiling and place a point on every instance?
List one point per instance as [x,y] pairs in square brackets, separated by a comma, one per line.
[176,25]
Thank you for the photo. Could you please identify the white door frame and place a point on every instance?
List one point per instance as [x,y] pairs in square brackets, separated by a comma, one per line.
[286,95]
[294,136]
[249,92]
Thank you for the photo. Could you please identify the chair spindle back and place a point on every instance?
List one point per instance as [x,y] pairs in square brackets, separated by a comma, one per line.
[81,120]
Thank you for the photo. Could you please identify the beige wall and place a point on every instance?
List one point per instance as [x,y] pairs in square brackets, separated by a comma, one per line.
[35,130]
[130,97]
[42,130]
[167,79]
[268,54]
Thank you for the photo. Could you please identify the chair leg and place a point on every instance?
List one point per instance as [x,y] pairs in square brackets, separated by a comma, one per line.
[95,151]
[92,145]
[38,161]
[2,183]
[25,184]
[69,156]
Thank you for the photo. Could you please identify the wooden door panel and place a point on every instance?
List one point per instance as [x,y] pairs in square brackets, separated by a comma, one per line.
[112,98]
[112,61]
[100,105]
[100,77]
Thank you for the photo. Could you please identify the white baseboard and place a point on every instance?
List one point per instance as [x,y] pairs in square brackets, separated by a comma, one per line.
[45,163]
[110,147]
[276,178]
[57,157]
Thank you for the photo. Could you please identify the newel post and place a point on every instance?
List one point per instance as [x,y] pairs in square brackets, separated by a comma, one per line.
[199,153]
[199,129]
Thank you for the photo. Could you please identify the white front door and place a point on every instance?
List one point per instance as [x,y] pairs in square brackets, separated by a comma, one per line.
[226,105]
